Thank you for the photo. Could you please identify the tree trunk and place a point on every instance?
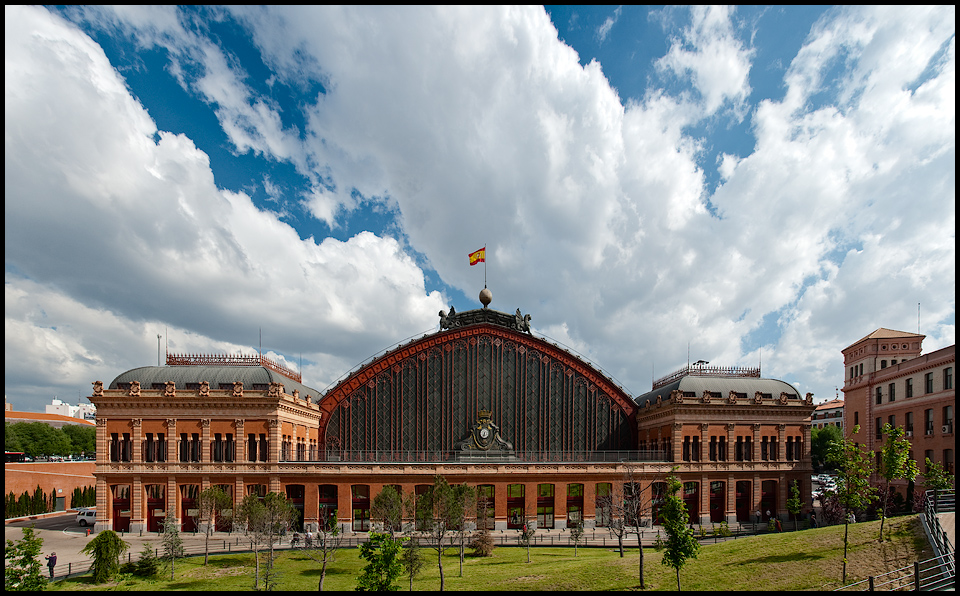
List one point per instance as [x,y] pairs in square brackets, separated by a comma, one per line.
[846,528]
[440,562]
[640,545]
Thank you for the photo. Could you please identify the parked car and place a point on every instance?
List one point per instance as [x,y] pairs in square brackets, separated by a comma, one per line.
[86,517]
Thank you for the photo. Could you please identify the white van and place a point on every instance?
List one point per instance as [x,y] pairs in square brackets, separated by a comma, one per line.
[87,517]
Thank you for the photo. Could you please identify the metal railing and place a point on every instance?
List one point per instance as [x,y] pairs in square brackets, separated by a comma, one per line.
[935,502]
[932,574]
[453,456]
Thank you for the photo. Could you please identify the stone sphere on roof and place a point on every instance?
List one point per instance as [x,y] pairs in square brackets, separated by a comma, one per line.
[486,297]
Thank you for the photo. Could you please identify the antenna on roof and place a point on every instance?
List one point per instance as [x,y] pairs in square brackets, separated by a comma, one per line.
[158,349]
[260,349]
[918,318]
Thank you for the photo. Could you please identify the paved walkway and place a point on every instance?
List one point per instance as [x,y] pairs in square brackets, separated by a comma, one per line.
[947,522]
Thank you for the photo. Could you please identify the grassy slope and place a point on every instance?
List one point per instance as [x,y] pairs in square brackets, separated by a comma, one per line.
[805,560]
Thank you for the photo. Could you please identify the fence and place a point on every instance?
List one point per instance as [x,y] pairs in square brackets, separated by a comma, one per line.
[937,573]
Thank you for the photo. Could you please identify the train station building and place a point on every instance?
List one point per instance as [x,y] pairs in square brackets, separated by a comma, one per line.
[543,435]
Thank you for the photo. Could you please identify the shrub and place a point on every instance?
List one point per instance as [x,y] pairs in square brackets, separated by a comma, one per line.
[482,544]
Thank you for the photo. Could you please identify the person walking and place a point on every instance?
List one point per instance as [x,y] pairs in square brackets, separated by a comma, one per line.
[813,520]
[51,562]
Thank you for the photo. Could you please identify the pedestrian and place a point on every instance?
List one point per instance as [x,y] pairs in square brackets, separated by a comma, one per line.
[813,520]
[51,562]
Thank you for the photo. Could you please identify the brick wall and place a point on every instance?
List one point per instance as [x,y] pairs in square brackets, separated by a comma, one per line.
[51,476]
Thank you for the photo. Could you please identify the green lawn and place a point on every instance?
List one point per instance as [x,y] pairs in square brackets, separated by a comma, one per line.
[805,560]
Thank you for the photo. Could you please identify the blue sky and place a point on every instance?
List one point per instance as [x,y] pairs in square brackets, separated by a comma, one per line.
[740,184]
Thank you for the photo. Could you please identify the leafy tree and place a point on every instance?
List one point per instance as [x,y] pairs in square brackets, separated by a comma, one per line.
[895,464]
[324,547]
[935,477]
[82,437]
[382,552]
[172,542]
[210,503]
[412,559]
[820,439]
[22,570]
[387,508]
[105,550]
[854,492]
[681,543]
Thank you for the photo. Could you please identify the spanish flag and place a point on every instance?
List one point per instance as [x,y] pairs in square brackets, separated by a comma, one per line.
[478,257]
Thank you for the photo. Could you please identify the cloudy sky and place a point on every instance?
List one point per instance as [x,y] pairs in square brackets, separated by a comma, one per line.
[740,185]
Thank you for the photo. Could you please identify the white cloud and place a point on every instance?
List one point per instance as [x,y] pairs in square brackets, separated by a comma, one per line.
[140,226]
[480,127]
[604,29]
[712,56]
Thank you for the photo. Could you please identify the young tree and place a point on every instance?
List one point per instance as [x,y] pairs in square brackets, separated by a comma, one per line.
[895,464]
[264,520]
[382,552]
[576,535]
[437,512]
[637,503]
[171,543]
[324,547]
[387,508]
[412,559]
[681,543]
[148,565]
[465,500]
[935,477]
[853,482]
[526,536]
[22,570]
[105,550]
[794,504]
[210,503]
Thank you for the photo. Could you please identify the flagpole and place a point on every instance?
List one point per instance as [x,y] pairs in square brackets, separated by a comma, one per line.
[485,269]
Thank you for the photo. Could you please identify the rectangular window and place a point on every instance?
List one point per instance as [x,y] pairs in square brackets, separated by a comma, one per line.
[909,391]
[251,447]
[948,378]
[879,398]
[892,388]
[184,448]
[928,382]
[908,426]
[928,421]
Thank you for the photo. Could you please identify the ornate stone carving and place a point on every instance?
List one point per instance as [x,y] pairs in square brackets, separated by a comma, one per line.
[758,398]
[238,424]
[484,436]
[676,396]
[205,423]
[705,398]
[238,389]
[275,390]
[296,394]
[134,389]
[170,389]
[783,398]
[136,422]
[809,400]
[97,388]
[449,321]
[204,389]
[732,398]
[522,322]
